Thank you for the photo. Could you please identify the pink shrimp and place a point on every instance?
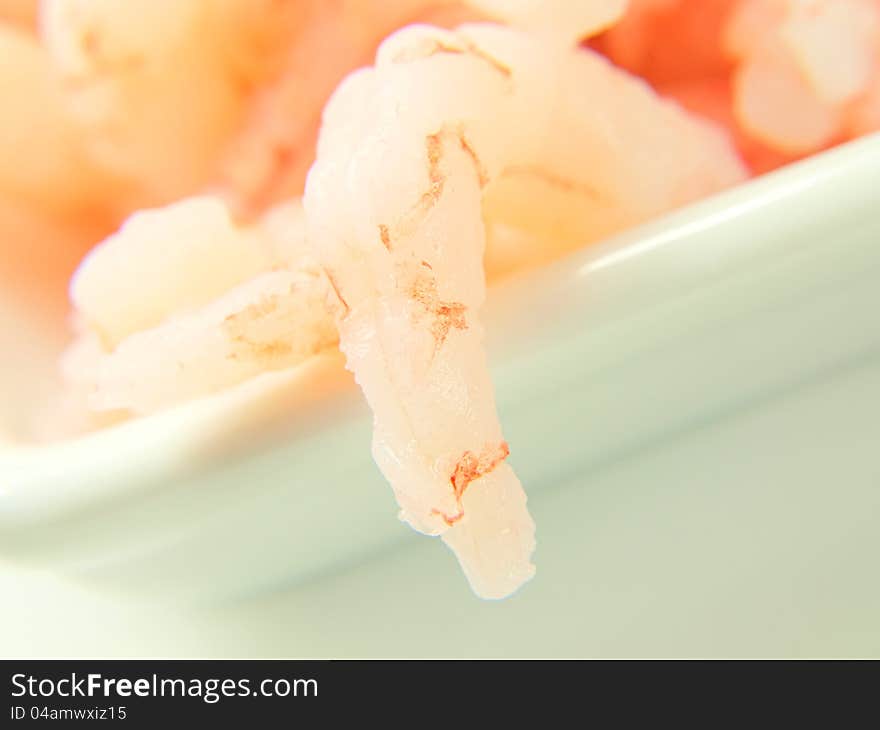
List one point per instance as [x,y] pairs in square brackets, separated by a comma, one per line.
[409,151]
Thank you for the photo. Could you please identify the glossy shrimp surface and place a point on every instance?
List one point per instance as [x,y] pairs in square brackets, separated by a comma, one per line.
[182,303]
[806,68]
[409,150]
[787,77]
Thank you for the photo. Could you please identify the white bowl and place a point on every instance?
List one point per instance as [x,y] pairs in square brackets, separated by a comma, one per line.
[693,407]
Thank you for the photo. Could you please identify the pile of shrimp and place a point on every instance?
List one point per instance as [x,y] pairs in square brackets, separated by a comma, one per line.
[787,78]
[259,181]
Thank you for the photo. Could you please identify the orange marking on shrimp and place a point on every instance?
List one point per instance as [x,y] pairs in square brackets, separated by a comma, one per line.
[472,50]
[434,155]
[468,468]
[335,287]
[237,326]
[471,466]
[467,48]
[447,315]
[481,171]
[446,518]
[434,150]
[385,236]
[501,68]
[424,291]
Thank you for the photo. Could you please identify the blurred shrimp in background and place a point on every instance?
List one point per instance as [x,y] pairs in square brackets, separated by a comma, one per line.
[787,77]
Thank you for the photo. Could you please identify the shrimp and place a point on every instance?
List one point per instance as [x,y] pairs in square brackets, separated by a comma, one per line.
[181,303]
[409,151]
[274,321]
[160,261]
[787,77]
[157,87]
[53,203]
[267,159]
[56,176]
[670,41]
[803,66]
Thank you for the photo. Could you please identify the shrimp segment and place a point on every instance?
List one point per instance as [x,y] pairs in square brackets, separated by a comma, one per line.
[158,87]
[181,302]
[56,176]
[160,261]
[405,256]
[394,202]
[272,322]
[804,67]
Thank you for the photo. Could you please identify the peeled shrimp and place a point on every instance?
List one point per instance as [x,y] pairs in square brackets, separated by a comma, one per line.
[56,174]
[786,77]
[267,159]
[53,203]
[409,150]
[670,41]
[158,86]
[272,322]
[804,65]
[161,261]
[181,303]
